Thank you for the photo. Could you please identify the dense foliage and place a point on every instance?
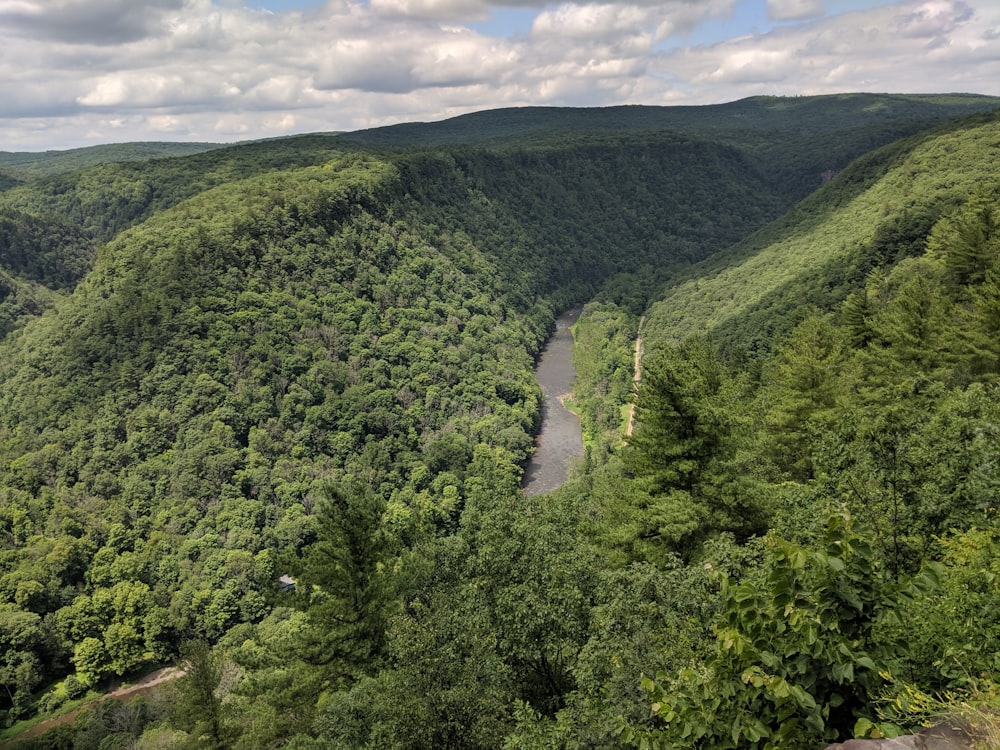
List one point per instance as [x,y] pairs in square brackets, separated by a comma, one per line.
[882,410]
[38,259]
[265,355]
[288,360]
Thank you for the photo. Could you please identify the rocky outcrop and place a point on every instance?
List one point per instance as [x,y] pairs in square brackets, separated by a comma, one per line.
[941,737]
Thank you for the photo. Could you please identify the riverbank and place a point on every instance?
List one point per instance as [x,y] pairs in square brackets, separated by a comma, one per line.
[560,439]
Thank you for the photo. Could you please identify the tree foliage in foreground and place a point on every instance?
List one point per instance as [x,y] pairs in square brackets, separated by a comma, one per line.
[796,661]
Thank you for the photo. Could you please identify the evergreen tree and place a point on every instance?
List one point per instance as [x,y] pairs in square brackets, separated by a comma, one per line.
[802,389]
[968,241]
[350,576]
[686,451]
[678,426]
[198,706]
[982,340]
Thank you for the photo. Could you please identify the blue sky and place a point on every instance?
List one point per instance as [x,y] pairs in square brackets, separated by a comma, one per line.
[80,72]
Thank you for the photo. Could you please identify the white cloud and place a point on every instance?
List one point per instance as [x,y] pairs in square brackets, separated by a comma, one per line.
[197,69]
[606,21]
[161,124]
[751,66]
[933,19]
[136,89]
[468,10]
[794,10]
[590,22]
[873,50]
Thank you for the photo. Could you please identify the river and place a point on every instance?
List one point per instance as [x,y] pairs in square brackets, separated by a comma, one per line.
[560,440]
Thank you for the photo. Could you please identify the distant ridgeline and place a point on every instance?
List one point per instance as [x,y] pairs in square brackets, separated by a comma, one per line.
[28,165]
[310,359]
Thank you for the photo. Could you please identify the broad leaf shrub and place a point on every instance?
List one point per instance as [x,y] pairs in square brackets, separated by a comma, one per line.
[795,662]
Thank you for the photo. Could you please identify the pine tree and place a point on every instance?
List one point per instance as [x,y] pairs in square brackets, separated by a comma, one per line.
[803,390]
[350,576]
[968,242]
[198,698]
[677,426]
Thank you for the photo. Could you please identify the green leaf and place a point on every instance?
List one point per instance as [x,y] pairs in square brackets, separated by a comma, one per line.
[802,698]
[862,727]
[815,722]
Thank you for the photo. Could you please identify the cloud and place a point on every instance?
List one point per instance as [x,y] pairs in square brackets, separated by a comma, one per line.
[875,50]
[435,10]
[478,10]
[138,89]
[404,60]
[933,19]
[794,10]
[752,66]
[86,21]
[203,70]
[602,21]
[606,39]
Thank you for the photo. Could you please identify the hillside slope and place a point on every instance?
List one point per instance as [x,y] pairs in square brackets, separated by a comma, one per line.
[166,427]
[622,202]
[826,393]
[791,141]
[39,258]
[824,248]
[765,152]
[740,121]
[794,141]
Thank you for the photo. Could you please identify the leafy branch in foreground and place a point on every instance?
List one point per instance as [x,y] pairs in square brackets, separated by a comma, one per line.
[796,662]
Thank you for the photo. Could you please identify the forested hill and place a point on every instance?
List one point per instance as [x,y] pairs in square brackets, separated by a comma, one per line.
[28,165]
[639,204]
[792,140]
[785,148]
[741,121]
[312,357]
[833,379]
[873,215]
[168,428]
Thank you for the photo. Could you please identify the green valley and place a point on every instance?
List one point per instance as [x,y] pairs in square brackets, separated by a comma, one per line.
[311,358]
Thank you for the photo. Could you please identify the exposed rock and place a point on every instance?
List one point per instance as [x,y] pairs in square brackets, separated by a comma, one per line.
[908,742]
[947,737]
[941,737]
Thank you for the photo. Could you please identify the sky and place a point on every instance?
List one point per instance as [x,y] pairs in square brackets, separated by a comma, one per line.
[85,72]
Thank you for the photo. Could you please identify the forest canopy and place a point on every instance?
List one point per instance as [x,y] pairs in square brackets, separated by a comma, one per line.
[312,359]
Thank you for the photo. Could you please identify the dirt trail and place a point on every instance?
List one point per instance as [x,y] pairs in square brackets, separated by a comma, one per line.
[636,376]
[143,685]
